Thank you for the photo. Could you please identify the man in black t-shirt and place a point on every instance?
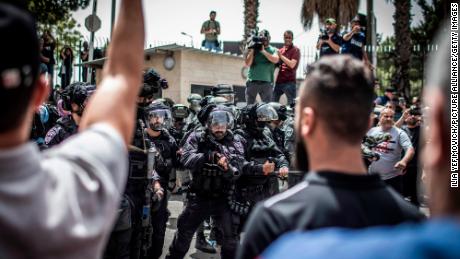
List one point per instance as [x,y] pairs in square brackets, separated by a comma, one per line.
[47,51]
[411,177]
[337,191]
[329,40]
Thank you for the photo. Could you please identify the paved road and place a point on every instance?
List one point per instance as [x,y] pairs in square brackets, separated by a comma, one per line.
[175,206]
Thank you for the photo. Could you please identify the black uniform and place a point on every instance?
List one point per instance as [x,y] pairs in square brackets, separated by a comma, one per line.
[64,128]
[325,199]
[259,146]
[130,238]
[165,161]
[207,195]
[411,177]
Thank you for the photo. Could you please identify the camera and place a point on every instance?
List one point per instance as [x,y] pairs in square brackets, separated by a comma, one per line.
[402,101]
[370,142]
[414,110]
[256,40]
[324,34]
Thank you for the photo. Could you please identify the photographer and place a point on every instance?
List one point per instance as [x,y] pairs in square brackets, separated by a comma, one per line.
[354,42]
[413,120]
[211,29]
[329,40]
[47,52]
[289,61]
[66,67]
[261,59]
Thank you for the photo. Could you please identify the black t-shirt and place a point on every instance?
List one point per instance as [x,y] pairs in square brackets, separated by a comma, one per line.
[326,49]
[414,135]
[48,52]
[325,199]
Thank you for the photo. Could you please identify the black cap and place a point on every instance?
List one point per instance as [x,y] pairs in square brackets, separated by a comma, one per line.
[356,19]
[390,89]
[20,58]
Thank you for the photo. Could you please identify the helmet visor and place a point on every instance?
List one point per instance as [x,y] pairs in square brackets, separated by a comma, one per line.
[220,120]
[266,113]
[159,119]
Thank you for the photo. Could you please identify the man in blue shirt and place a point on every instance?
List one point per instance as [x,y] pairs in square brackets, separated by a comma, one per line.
[353,42]
[436,238]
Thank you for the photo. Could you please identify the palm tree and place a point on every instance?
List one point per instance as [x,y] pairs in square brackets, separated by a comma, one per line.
[402,19]
[341,10]
[251,13]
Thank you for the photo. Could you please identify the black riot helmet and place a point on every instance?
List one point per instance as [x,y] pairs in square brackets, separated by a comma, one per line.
[151,77]
[226,91]
[158,116]
[281,110]
[166,101]
[219,121]
[76,93]
[195,100]
[179,111]
[150,86]
[218,100]
[256,116]
[266,113]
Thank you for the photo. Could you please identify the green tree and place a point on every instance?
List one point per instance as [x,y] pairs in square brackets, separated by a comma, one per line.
[251,14]
[341,10]
[51,12]
[401,24]
[423,39]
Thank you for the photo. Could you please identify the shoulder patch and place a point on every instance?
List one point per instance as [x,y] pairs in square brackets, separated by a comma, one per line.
[51,134]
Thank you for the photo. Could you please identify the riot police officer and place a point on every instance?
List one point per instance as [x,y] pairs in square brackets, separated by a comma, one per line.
[159,121]
[132,234]
[225,91]
[263,156]
[194,101]
[276,128]
[75,98]
[216,159]
[201,243]
[179,112]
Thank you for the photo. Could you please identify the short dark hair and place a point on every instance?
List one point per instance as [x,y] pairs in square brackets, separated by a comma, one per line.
[212,12]
[290,33]
[18,72]
[339,88]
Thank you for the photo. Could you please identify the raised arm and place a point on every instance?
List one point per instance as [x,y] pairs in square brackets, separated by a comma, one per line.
[114,102]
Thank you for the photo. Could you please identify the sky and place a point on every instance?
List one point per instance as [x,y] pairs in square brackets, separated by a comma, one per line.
[165,20]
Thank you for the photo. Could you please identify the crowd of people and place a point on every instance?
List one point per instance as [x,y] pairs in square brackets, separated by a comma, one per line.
[103,161]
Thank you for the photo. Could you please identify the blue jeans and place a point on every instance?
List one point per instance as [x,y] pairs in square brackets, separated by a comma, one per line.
[285,88]
[211,45]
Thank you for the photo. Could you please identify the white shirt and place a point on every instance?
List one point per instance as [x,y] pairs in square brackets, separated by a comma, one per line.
[61,203]
[390,152]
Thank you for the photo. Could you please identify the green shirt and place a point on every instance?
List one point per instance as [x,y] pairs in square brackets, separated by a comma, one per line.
[262,69]
[210,25]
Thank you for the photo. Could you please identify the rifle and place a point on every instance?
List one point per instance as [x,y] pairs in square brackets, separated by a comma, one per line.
[147,228]
[225,152]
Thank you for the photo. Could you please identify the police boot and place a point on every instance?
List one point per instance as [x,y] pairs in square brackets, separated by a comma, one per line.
[203,245]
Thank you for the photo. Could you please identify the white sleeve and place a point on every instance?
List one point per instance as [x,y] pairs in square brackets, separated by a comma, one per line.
[86,175]
[404,140]
[98,149]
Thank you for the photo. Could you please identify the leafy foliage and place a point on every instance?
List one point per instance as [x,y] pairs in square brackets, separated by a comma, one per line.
[422,38]
[341,10]
[51,12]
